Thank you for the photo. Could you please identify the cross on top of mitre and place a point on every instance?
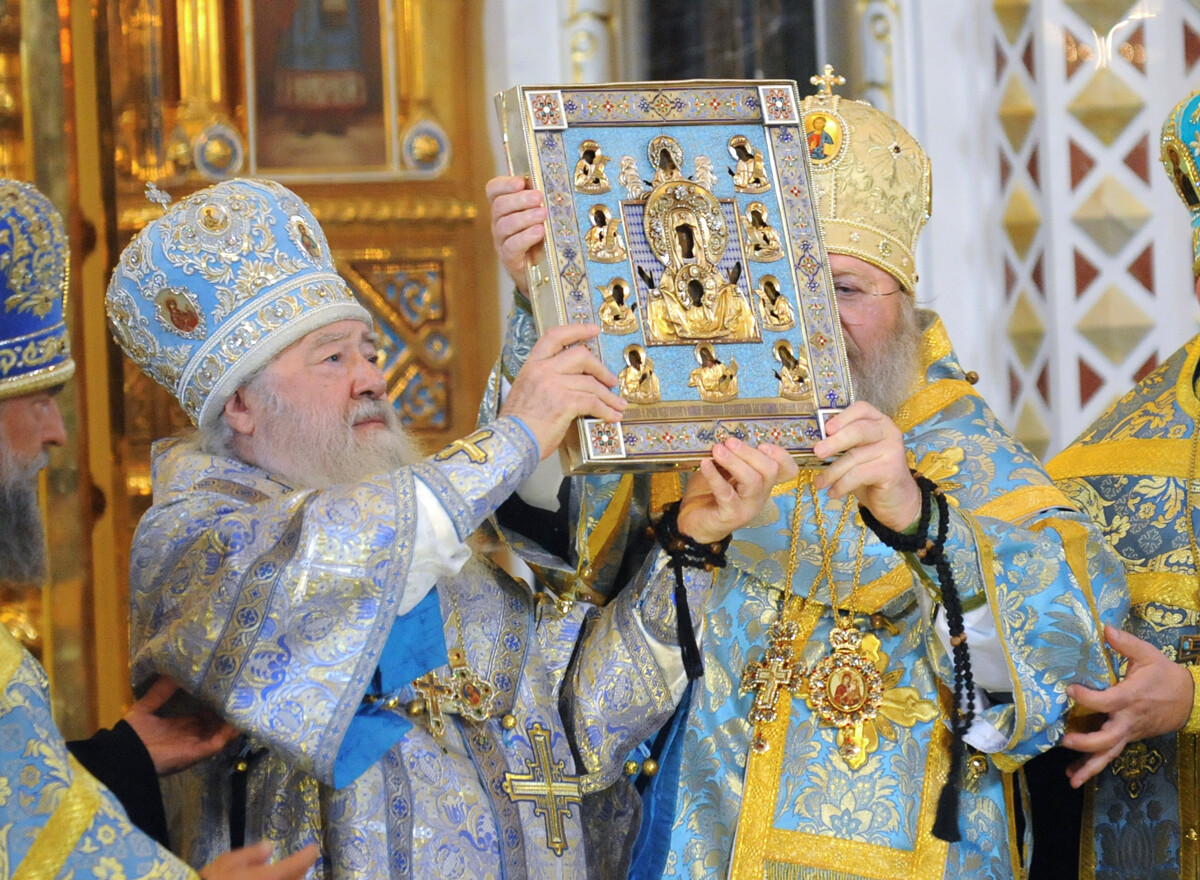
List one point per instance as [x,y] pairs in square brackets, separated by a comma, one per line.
[827,80]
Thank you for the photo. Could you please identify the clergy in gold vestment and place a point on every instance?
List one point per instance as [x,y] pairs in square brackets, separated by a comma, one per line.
[1135,470]
[823,739]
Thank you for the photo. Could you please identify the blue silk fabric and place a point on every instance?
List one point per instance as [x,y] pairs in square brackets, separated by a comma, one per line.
[55,818]
[1015,542]
[1130,471]
[278,609]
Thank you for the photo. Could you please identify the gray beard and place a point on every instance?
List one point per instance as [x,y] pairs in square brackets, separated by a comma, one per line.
[314,450]
[887,376]
[22,540]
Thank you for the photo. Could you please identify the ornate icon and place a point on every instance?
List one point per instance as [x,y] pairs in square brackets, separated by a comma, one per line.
[776,311]
[637,383]
[685,228]
[750,176]
[177,312]
[824,134]
[616,312]
[716,382]
[589,170]
[762,241]
[603,239]
[792,373]
[667,158]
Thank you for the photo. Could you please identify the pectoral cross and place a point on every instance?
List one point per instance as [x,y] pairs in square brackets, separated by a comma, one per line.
[439,699]
[469,446]
[828,80]
[551,792]
[775,671]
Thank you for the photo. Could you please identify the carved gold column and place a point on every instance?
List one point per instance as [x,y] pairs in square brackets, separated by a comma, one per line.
[590,32]
[203,141]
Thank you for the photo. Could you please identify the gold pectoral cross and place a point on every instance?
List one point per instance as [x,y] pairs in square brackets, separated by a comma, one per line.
[468,694]
[776,670]
[468,446]
[547,786]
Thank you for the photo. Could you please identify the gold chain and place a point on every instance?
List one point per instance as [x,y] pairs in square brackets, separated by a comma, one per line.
[828,548]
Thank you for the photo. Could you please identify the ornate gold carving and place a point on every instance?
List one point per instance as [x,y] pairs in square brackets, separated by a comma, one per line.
[637,382]
[713,380]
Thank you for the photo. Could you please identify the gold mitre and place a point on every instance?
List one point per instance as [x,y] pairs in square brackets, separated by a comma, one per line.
[872,180]
[1180,146]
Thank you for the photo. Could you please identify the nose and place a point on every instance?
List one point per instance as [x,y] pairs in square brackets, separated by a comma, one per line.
[369,381]
[53,431]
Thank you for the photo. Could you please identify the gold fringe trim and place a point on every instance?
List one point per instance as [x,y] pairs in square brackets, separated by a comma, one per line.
[1134,458]
[11,655]
[1164,588]
[1022,502]
[930,400]
[1189,815]
[60,835]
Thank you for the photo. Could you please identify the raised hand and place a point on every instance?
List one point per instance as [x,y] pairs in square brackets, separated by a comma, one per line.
[1154,697]
[731,488]
[560,381]
[518,212]
[872,465]
[176,743]
[250,863]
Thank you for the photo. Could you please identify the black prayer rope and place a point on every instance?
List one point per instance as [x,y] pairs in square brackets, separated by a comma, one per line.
[932,552]
[686,552]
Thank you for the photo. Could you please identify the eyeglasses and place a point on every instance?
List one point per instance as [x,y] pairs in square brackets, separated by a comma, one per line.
[853,292]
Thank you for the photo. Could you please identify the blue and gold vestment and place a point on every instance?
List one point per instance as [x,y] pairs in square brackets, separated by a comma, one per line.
[1130,470]
[278,608]
[1018,548]
[55,818]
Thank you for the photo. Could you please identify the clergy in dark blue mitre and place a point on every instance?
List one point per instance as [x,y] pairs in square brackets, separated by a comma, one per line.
[305,571]
[56,818]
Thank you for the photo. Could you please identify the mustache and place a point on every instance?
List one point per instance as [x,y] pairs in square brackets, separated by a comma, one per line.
[372,409]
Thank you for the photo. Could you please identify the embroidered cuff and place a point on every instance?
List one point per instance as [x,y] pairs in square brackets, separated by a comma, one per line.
[1193,722]
[472,477]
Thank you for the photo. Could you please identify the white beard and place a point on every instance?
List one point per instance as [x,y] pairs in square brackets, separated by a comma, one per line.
[315,450]
[886,376]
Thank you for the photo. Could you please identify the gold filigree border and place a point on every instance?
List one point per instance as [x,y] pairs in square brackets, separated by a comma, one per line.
[1135,458]
[761,848]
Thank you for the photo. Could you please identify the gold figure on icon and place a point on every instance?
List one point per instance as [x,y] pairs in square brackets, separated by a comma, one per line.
[776,310]
[616,312]
[666,156]
[638,383]
[603,238]
[589,170]
[686,229]
[716,382]
[792,373]
[750,176]
[762,241]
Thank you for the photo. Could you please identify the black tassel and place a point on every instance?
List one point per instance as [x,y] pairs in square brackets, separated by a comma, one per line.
[932,552]
[692,663]
[685,552]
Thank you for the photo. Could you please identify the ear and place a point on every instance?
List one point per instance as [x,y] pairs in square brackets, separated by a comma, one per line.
[239,414]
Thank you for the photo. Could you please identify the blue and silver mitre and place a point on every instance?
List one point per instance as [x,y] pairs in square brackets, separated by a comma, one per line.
[35,348]
[1180,153]
[221,283]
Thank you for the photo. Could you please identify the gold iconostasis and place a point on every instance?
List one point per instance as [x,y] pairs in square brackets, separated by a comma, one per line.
[374,111]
